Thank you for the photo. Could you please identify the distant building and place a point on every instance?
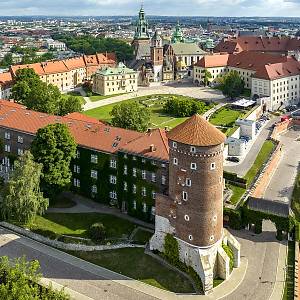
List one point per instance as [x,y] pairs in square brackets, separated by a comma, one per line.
[55,45]
[5,85]
[69,73]
[110,81]
[274,76]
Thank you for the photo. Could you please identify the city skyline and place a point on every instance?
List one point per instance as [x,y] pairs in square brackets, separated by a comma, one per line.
[236,8]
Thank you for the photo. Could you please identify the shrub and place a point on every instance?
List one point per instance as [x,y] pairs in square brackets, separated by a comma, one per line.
[97,232]
[235,218]
[229,253]
[171,250]
[184,108]
[46,233]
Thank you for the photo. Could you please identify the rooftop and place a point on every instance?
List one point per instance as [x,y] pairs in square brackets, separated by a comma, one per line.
[196,131]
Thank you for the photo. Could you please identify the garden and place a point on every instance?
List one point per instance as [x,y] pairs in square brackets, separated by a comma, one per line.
[159,117]
[89,228]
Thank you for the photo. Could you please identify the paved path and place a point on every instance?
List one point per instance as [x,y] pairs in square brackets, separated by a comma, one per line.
[85,205]
[242,168]
[184,89]
[264,279]
[281,185]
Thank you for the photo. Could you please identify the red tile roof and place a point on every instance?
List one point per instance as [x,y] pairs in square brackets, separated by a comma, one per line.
[197,131]
[150,144]
[263,44]
[215,60]
[88,132]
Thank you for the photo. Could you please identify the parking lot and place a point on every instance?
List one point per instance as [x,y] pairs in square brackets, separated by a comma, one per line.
[281,185]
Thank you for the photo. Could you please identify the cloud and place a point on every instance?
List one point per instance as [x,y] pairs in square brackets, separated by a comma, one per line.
[153,7]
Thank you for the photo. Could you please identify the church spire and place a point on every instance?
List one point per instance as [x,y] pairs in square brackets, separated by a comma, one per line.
[141,31]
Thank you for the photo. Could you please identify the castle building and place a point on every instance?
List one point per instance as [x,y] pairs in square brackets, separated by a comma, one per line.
[157,57]
[112,81]
[193,210]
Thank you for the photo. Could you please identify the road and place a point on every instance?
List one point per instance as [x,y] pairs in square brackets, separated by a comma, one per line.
[266,265]
[281,185]
[184,89]
[242,168]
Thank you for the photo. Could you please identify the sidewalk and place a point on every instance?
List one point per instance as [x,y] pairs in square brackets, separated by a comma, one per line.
[85,205]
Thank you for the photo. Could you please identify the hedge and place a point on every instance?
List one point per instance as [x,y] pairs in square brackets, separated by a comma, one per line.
[235,179]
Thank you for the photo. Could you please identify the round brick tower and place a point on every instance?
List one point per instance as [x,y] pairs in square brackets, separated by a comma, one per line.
[196,181]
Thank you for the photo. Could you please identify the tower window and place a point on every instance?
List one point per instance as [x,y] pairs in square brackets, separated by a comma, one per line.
[174,145]
[193,166]
[188,182]
[211,238]
[175,161]
[184,196]
[213,166]
[193,149]
[186,217]
[190,237]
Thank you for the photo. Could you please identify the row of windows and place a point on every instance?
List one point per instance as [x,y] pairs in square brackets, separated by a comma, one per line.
[193,166]
[7,149]
[7,136]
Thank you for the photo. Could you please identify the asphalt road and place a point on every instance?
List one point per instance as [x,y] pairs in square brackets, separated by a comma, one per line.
[281,185]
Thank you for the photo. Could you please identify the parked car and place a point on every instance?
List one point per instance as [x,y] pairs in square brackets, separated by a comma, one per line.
[233,159]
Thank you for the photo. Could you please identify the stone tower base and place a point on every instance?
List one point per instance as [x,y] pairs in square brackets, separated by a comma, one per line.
[209,263]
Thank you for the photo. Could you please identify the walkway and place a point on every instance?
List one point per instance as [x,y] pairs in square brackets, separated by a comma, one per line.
[184,89]
[85,205]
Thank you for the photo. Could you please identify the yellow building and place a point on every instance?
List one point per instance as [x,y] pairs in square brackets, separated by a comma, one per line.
[111,81]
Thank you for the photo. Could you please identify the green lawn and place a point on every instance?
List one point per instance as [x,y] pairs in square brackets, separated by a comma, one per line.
[134,263]
[159,119]
[95,97]
[289,281]
[226,116]
[261,158]
[238,192]
[142,237]
[78,224]
[296,197]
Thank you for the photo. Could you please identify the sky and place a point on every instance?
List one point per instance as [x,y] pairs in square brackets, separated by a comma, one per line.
[288,8]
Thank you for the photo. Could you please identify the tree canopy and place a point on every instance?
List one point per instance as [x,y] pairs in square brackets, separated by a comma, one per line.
[54,147]
[130,115]
[19,280]
[7,60]
[22,198]
[37,95]
[232,85]
[88,44]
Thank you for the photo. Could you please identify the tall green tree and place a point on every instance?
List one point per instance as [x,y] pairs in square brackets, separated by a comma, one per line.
[207,77]
[232,85]
[69,104]
[22,198]
[54,147]
[7,60]
[130,116]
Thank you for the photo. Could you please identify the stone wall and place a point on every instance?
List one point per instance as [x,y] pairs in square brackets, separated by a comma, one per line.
[65,246]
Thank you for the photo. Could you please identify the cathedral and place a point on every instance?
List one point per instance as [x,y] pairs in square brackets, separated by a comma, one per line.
[158,61]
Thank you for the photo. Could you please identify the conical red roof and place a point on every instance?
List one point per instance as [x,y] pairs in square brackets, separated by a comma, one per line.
[196,131]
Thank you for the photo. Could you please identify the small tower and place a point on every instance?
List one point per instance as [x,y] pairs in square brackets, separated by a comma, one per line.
[193,210]
[157,56]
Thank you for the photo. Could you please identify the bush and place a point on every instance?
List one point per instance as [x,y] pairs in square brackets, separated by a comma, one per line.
[171,249]
[235,218]
[97,232]
[235,179]
[229,253]
[184,108]
[46,233]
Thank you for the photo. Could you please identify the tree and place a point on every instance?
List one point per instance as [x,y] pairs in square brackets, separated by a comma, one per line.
[7,60]
[54,147]
[22,199]
[232,85]
[130,116]
[97,232]
[19,280]
[69,104]
[207,77]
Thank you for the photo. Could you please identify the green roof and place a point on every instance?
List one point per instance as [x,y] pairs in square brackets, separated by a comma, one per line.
[119,70]
[187,49]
